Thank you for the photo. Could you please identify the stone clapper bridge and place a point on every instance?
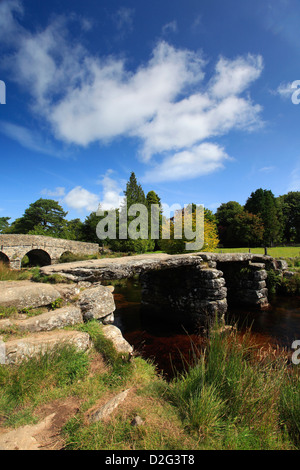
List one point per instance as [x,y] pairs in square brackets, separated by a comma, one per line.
[190,287]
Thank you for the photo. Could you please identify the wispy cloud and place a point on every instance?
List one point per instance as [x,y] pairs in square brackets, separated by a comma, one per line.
[284,90]
[57,193]
[123,20]
[267,169]
[28,139]
[170,27]
[294,184]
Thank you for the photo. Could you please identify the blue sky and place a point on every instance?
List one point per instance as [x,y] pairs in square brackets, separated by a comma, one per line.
[193,96]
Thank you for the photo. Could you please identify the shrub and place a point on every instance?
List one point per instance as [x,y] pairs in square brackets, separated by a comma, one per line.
[71,257]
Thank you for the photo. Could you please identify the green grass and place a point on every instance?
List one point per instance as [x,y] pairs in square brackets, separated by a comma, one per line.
[26,385]
[276,252]
[7,274]
[7,312]
[233,397]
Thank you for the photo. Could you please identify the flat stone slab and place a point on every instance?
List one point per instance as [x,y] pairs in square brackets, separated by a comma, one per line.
[26,294]
[48,321]
[15,351]
[128,266]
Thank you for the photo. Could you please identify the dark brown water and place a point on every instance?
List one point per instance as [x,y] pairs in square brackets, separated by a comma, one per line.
[171,346]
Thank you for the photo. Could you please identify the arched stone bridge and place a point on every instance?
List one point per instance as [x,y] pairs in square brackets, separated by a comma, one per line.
[39,249]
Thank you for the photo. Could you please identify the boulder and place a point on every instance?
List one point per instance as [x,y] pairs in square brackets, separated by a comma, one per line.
[288,274]
[113,333]
[46,321]
[27,294]
[282,264]
[96,303]
[40,343]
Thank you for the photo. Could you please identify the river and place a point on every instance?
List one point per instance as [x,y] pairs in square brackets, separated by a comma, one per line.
[171,346]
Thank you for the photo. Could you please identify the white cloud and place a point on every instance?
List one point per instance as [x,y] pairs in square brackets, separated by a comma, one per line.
[165,102]
[81,199]
[58,192]
[285,90]
[197,161]
[114,102]
[232,77]
[112,194]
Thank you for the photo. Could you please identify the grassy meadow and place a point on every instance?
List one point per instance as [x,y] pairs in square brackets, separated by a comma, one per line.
[276,252]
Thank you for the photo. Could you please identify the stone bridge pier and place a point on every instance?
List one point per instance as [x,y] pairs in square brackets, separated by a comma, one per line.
[198,293]
[41,251]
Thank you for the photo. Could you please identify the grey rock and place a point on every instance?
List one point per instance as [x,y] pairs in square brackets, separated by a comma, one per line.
[282,264]
[137,421]
[48,321]
[261,275]
[114,334]
[108,408]
[288,274]
[25,294]
[96,303]
[19,350]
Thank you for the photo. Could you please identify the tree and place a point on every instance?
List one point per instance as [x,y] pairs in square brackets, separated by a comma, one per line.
[154,207]
[89,228]
[44,216]
[72,230]
[290,207]
[134,194]
[262,202]
[4,224]
[211,239]
[225,215]
[246,230]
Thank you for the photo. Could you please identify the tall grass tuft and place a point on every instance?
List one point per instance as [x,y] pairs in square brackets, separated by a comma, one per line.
[289,407]
[233,396]
[7,274]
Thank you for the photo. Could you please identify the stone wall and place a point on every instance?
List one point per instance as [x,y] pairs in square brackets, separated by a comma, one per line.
[16,246]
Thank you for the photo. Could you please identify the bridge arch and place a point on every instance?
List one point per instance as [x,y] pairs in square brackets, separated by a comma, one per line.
[37,257]
[4,258]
